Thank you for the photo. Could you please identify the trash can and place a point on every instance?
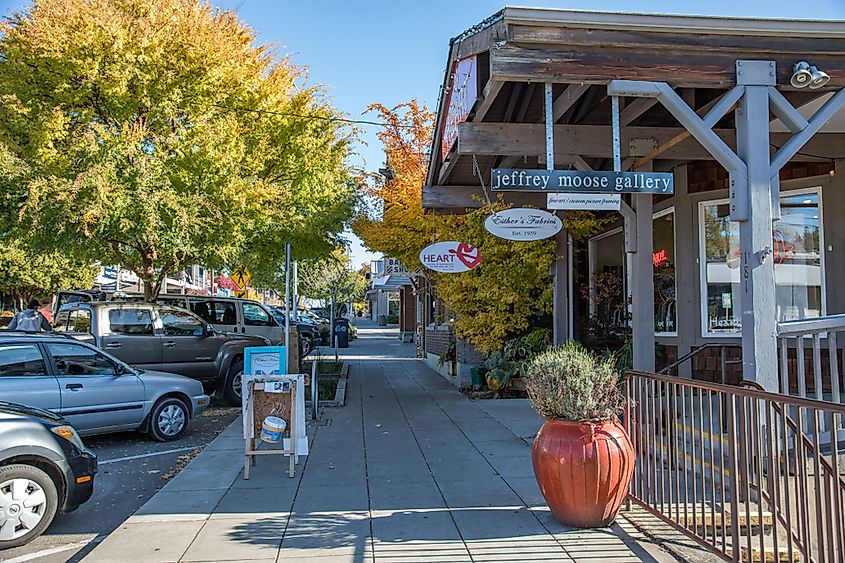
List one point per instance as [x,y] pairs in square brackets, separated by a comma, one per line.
[341,332]
[382,320]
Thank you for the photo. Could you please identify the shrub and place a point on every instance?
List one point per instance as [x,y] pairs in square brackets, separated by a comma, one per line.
[571,383]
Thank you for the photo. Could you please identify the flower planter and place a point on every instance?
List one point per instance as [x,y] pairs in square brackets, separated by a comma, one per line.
[583,469]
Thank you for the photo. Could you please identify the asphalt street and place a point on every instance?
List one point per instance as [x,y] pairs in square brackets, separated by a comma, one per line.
[131,469]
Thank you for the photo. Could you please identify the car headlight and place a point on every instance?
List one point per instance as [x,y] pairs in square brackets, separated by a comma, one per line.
[69,434]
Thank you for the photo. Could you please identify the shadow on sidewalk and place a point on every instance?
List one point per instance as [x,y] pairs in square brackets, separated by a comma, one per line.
[431,534]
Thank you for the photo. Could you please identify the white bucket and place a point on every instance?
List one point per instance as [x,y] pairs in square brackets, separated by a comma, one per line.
[272,428]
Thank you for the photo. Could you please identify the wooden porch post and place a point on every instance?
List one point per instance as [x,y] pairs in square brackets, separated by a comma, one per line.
[642,284]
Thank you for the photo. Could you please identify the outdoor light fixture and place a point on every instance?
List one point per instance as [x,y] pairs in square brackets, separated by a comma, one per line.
[805,74]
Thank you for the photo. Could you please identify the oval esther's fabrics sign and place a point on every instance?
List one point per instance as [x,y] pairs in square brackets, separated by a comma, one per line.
[522,224]
[450,257]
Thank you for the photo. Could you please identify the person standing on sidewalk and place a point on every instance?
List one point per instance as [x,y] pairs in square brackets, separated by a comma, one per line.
[30,320]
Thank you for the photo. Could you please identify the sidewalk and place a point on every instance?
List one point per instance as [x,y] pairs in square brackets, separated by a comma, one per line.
[409,470]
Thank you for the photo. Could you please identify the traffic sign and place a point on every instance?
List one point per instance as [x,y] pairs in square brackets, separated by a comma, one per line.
[242,293]
[241,277]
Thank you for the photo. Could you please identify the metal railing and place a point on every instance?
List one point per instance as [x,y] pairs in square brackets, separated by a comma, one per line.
[820,334]
[735,470]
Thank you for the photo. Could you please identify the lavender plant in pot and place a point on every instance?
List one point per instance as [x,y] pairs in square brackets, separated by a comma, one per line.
[583,459]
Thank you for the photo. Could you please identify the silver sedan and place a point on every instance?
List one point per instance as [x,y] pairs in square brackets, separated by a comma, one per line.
[94,391]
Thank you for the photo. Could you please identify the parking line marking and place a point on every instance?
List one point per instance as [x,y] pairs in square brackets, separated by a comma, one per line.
[150,454]
[55,550]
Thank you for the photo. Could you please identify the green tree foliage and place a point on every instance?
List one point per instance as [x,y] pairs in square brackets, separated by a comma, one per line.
[331,276]
[158,133]
[25,273]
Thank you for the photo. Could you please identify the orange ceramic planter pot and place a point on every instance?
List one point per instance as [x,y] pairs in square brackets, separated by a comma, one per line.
[583,469]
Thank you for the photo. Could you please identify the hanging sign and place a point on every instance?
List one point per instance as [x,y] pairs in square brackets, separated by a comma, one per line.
[579,181]
[450,257]
[463,91]
[523,224]
[584,202]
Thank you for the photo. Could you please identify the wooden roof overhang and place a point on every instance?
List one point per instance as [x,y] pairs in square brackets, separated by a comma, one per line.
[520,49]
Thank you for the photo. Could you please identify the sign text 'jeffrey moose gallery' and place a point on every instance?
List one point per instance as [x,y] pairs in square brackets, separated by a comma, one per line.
[575,181]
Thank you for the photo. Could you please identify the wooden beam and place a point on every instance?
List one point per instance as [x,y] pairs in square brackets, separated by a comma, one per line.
[635,109]
[594,141]
[488,96]
[601,64]
[526,102]
[760,46]
[447,166]
[567,99]
[510,161]
[471,197]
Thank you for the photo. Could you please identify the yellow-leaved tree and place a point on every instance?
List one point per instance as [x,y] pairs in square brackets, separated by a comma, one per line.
[493,302]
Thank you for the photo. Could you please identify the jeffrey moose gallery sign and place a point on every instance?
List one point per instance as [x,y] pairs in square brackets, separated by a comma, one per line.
[577,181]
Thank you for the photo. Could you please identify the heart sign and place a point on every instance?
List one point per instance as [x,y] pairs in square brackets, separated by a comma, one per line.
[468,254]
[450,257]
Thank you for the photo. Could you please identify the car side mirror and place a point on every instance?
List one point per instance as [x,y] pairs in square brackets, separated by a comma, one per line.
[120,369]
[208,330]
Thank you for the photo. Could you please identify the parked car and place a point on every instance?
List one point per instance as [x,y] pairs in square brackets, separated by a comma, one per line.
[229,314]
[308,333]
[93,390]
[163,338]
[44,468]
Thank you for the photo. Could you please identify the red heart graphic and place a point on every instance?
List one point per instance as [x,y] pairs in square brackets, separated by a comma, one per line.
[468,254]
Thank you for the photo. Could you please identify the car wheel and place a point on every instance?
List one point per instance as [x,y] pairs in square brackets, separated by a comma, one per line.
[307,345]
[28,503]
[168,419]
[234,382]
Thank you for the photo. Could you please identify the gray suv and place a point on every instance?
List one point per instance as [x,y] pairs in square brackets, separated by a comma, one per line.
[163,338]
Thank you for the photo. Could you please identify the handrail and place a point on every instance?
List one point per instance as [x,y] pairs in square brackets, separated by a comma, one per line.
[814,325]
[742,392]
[694,352]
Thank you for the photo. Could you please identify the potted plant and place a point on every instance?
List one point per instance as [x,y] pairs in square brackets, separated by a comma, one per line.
[582,456]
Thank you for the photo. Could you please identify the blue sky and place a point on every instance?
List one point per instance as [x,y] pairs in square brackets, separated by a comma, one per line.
[389,51]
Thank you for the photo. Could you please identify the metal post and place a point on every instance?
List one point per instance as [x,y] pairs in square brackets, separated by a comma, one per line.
[296,291]
[617,138]
[315,390]
[550,129]
[560,324]
[287,302]
[332,339]
[757,274]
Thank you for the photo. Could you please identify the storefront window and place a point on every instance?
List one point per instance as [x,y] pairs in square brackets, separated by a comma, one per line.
[607,284]
[663,260]
[796,244]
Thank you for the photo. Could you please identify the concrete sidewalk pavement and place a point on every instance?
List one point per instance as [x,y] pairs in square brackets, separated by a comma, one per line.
[409,470]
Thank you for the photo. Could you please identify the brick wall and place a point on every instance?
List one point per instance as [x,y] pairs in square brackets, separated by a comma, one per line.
[706,365]
[437,339]
[407,309]
[467,354]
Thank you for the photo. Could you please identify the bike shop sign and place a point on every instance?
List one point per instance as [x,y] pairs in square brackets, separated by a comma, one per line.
[450,257]
[522,224]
